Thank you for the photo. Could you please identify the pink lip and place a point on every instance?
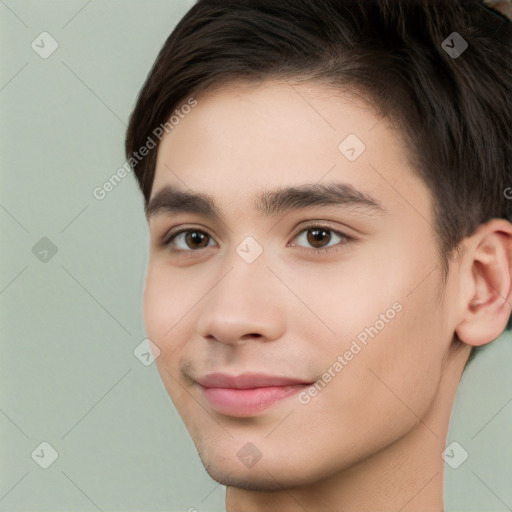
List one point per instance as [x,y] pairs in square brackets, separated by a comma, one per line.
[248,394]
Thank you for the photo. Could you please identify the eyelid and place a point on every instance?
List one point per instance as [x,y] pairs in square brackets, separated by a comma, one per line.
[322,224]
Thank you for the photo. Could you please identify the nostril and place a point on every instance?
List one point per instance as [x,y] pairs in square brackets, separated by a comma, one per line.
[251,335]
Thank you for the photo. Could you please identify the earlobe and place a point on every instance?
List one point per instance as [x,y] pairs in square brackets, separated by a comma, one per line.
[486,284]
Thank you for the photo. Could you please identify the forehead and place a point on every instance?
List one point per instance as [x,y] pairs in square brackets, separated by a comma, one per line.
[244,139]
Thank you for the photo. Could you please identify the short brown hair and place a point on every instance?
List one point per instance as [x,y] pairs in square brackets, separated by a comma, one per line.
[453,111]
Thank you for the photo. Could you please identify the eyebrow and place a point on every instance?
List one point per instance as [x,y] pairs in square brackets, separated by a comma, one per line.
[269,203]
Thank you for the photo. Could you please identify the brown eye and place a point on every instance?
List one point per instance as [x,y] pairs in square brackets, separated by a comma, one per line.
[317,237]
[187,240]
[196,237]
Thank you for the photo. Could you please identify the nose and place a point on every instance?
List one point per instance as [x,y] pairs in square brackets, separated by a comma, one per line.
[246,303]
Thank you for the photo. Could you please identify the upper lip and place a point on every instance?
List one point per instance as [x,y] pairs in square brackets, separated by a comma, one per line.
[247,381]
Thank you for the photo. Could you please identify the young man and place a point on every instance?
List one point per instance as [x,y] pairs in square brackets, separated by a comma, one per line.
[328,190]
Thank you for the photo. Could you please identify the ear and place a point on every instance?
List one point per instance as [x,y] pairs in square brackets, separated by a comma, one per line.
[485,281]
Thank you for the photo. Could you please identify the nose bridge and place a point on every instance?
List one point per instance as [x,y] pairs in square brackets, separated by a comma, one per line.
[245,269]
[241,301]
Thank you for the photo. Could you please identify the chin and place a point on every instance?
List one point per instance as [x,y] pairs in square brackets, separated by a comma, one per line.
[248,482]
[273,472]
[251,479]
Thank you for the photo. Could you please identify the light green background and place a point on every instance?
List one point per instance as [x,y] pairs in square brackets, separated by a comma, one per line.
[70,324]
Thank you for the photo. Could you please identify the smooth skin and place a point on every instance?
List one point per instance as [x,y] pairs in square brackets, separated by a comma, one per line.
[372,438]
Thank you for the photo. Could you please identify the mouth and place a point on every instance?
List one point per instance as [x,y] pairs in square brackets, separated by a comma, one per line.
[248,394]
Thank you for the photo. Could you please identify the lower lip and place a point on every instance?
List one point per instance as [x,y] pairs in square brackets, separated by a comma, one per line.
[248,402]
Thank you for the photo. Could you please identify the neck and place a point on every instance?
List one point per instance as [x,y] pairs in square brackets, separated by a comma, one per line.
[406,475]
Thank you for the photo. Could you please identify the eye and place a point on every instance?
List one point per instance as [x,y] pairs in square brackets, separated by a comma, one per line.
[186,240]
[319,237]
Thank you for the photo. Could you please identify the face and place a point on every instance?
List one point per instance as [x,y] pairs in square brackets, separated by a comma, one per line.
[292,327]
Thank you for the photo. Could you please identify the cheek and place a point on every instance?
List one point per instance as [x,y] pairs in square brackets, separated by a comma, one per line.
[156,309]
[405,360]
[392,329]
[165,306]
[385,387]
[162,313]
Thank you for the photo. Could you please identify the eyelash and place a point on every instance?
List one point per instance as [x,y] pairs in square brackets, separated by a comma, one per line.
[173,234]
